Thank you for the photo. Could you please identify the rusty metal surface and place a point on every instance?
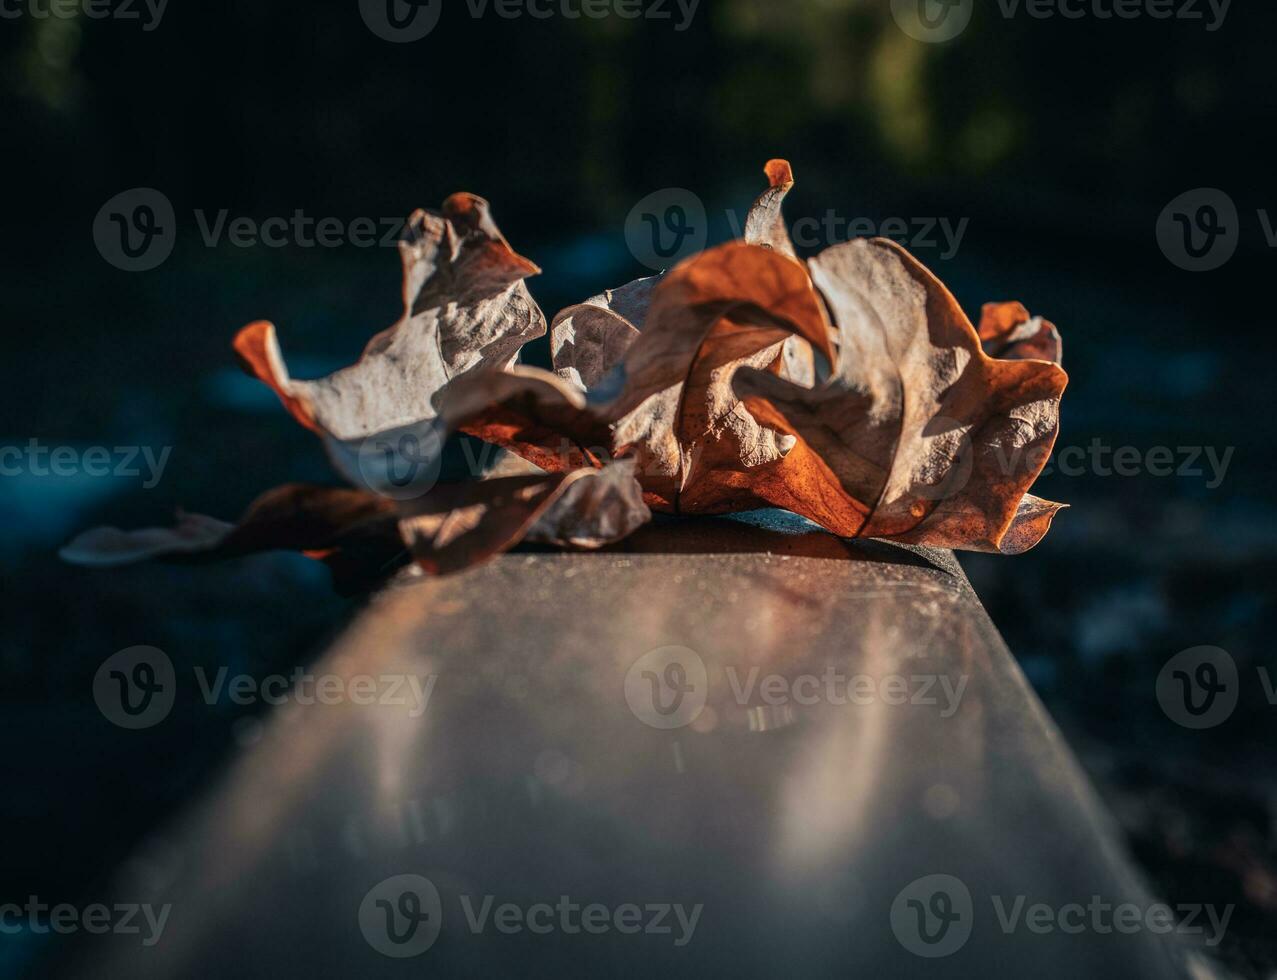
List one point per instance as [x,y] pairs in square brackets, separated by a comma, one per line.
[886,737]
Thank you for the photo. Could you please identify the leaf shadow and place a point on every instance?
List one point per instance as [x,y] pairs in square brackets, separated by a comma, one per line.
[769,532]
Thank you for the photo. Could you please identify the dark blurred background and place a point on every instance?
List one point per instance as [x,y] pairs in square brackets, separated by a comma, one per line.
[1059,142]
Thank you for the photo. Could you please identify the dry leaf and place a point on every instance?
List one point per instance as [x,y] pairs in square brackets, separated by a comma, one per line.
[765,224]
[686,373]
[692,391]
[919,435]
[107,547]
[466,308]
[457,526]
[1007,330]
[353,531]
[533,413]
[726,308]
[600,507]
[527,410]
[588,340]
[669,400]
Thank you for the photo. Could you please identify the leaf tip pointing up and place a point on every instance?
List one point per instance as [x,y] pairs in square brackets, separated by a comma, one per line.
[779,173]
[472,215]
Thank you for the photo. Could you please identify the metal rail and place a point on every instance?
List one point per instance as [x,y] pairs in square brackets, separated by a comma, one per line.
[842,767]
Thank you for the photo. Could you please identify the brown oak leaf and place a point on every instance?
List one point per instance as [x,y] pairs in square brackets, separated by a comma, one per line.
[921,436]
[465,308]
[729,307]
[352,531]
[1007,330]
[589,339]
[460,525]
[693,391]
[668,403]
[765,225]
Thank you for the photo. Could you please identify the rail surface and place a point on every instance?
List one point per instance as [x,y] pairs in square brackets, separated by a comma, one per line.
[825,748]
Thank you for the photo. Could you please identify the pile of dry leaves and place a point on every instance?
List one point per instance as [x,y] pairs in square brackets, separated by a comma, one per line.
[850,389]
